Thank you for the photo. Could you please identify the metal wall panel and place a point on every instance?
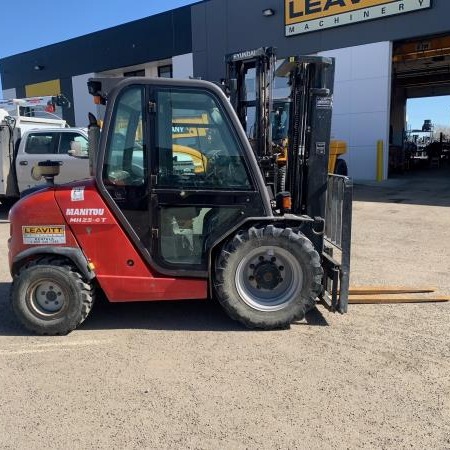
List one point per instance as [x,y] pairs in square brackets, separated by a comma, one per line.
[225,26]
[51,87]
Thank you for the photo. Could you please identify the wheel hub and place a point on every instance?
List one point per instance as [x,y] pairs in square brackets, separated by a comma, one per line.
[51,296]
[47,298]
[267,275]
[268,278]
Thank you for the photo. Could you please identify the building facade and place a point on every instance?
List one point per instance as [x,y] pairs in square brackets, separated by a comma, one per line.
[386,51]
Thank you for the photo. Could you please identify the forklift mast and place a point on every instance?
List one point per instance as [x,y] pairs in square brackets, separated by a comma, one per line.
[311,80]
[310,102]
[262,60]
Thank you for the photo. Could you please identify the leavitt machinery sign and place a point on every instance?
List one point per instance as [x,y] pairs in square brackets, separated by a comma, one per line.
[303,16]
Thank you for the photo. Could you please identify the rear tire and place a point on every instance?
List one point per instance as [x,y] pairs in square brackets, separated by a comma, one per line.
[268,277]
[49,296]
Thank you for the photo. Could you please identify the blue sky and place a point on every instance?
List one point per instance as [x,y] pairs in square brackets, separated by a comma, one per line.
[437,109]
[27,25]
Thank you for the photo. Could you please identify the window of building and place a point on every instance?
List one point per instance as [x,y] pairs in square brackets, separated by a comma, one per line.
[165,71]
[135,73]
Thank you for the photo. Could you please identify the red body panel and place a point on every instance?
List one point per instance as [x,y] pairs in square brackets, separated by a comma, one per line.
[39,209]
[121,272]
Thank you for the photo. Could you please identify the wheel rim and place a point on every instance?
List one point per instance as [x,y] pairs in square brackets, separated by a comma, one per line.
[47,299]
[269,278]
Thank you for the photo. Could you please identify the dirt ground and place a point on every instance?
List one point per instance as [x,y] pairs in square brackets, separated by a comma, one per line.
[182,375]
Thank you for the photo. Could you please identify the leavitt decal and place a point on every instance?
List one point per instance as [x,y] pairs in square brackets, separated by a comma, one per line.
[44,234]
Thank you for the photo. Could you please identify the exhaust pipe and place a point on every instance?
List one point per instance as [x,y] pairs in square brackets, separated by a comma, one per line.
[93,142]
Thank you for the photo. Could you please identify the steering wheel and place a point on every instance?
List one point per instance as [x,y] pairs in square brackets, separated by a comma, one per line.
[215,166]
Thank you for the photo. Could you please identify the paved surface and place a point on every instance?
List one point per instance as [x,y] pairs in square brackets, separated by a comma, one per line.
[182,375]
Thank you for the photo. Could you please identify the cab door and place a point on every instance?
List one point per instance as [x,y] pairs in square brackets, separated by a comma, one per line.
[39,146]
[125,167]
[201,189]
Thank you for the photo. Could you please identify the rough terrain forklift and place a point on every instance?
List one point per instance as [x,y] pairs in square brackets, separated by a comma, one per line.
[148,226]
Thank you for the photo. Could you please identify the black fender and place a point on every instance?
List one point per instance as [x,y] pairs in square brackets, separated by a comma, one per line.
[73,254]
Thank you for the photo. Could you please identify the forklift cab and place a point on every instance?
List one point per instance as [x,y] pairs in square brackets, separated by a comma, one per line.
[174,212]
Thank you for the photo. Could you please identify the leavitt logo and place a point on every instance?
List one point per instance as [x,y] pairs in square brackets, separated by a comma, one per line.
[302,16]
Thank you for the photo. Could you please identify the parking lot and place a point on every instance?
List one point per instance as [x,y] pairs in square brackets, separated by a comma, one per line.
[183,375]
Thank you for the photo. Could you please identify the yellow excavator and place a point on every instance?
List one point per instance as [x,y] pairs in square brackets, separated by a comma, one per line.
[189,137]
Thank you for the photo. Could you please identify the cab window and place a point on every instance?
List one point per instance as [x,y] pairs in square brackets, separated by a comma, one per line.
[73,144]
[125,161]
[125,166]
[42,143]
[195,146]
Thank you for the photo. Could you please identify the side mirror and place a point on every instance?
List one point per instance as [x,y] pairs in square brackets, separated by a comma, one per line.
[77,151]
[46,169]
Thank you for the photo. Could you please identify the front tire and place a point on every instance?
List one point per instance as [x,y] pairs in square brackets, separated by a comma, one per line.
[268,277]
[49,296]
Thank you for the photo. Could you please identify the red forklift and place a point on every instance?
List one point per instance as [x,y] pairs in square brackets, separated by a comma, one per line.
[156,224]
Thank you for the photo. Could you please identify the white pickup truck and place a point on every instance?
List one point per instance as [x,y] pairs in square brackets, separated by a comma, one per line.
[26,141]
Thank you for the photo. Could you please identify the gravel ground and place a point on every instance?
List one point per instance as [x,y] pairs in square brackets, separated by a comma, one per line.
[182,375]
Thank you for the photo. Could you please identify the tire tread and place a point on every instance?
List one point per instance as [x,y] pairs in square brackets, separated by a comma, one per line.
[233,306]
[86,290]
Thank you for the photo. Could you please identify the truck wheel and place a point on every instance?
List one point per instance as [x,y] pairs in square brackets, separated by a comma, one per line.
[341,167]
[268,277]
[49,296]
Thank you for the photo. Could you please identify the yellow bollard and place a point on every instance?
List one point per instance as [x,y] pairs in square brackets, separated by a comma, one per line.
[380,164]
